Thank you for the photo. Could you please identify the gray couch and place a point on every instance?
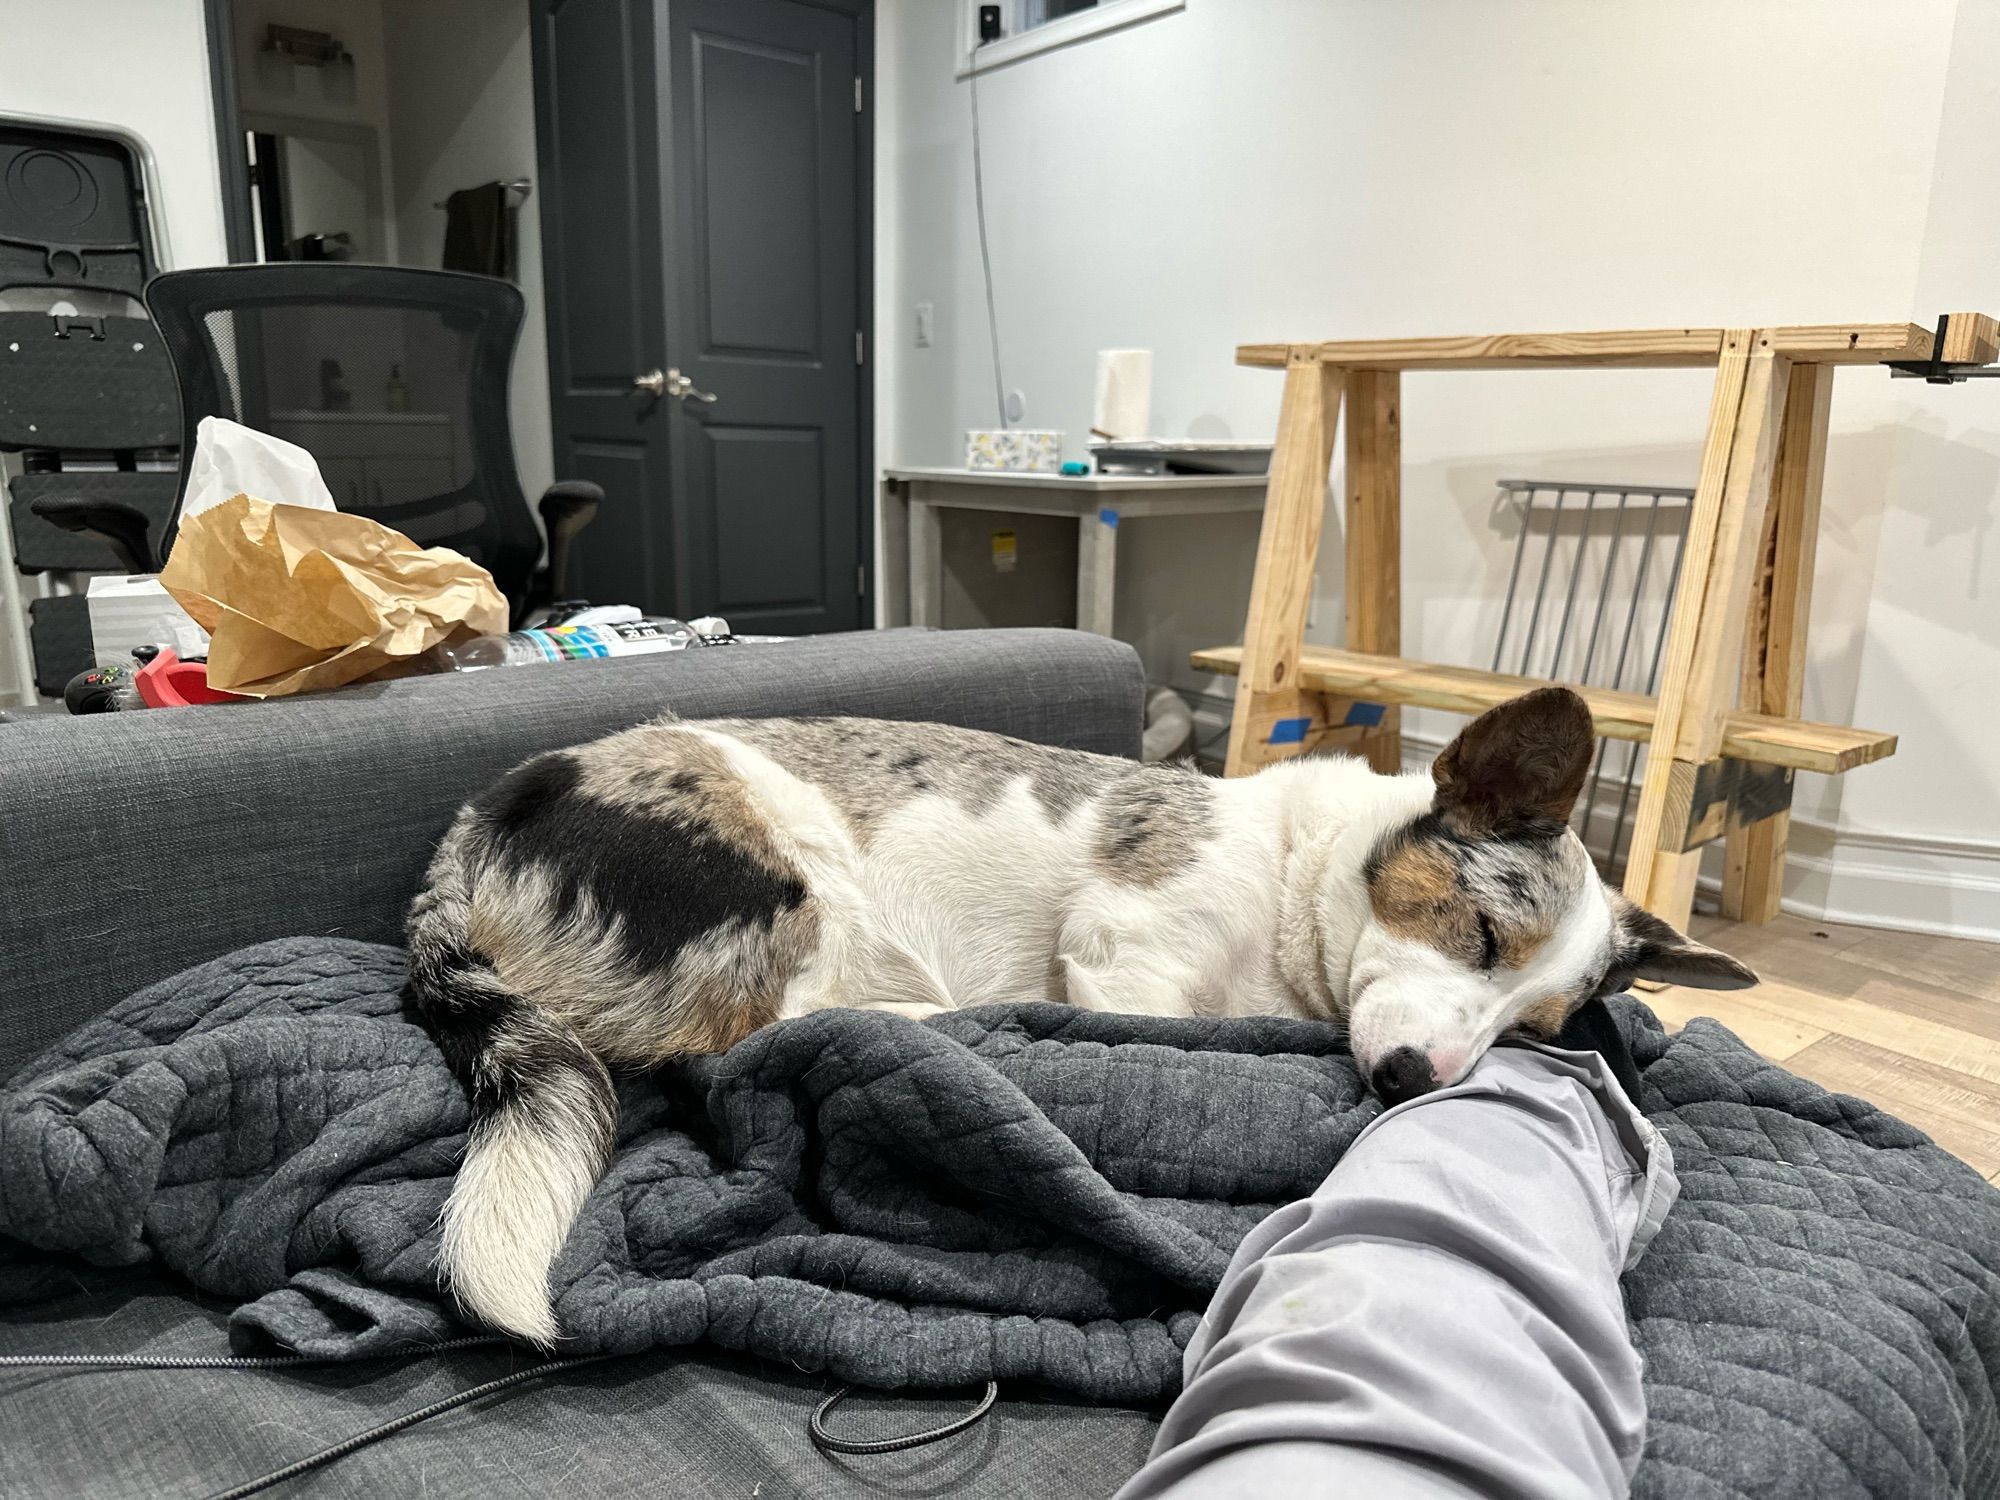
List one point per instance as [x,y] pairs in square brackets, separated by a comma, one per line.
[139,844]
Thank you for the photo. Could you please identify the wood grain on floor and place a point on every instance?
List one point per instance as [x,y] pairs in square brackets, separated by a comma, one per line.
[1910,1023]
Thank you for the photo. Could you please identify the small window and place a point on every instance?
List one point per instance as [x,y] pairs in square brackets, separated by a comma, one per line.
[1031,26]
[1040,12]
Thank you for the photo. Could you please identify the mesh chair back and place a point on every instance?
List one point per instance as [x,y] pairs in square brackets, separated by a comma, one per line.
[394,379]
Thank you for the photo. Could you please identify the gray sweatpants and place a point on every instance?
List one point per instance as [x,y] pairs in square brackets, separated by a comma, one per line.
[1441,1318]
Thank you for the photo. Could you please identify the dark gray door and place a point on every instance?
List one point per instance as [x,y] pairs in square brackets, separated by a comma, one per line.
[729,131]
[597,117]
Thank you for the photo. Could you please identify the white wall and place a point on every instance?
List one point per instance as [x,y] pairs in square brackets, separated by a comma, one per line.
[1285,169]
[462,112]
[139,65]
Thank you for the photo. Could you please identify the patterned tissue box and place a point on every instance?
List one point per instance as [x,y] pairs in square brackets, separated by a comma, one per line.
[1016,450]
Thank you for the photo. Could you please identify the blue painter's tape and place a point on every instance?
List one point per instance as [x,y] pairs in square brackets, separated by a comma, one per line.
[1108,516]
[1368,715]
[1290,731]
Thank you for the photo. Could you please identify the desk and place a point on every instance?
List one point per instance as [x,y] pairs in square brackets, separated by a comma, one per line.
[1099,503]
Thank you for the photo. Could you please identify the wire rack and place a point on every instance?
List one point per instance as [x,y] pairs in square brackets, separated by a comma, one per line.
[1589,595]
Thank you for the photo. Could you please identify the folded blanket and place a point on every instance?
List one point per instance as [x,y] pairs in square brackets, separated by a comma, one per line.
[1014,1192]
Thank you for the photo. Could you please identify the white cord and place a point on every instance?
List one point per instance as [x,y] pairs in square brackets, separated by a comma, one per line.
[985,254]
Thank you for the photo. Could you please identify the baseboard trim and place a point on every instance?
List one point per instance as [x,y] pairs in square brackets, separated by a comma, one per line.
[1947,887]
[1907,882]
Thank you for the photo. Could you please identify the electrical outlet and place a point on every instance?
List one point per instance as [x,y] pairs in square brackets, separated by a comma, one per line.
[926,324]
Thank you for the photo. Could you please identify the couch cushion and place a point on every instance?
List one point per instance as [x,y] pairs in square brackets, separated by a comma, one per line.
[680,1423]
[140,843]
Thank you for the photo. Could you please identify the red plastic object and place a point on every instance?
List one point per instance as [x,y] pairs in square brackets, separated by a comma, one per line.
[168,682]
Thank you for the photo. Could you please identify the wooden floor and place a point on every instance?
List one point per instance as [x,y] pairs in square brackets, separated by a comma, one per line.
[1910,1023]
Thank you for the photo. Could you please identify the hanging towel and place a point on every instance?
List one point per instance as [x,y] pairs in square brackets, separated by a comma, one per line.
[478,231]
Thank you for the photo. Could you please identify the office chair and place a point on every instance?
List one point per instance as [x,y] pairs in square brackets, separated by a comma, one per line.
[82,411]
[72,212]
[84,401]
[395,380]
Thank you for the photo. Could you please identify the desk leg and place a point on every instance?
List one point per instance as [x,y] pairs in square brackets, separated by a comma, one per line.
[926,565]
[892,598]
[1096,570]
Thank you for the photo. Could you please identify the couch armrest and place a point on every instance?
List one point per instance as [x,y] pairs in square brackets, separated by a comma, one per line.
[137,844]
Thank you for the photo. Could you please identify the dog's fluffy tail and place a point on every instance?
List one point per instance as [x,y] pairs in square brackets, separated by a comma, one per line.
[543,1110]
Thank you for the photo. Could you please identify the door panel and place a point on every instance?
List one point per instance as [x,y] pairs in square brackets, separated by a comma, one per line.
[401,481]
[767,305]
[756,161]
[598,160]
[708,220]
[769,546]
[343,478]
[601,190]
[624,562]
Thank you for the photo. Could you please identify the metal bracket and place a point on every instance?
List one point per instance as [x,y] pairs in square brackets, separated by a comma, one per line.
[1731,794]
[1937,370]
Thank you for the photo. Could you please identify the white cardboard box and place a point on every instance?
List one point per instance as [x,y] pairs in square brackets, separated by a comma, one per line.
[128,610]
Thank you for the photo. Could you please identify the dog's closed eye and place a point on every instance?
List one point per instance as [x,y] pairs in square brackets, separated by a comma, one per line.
[1489,945]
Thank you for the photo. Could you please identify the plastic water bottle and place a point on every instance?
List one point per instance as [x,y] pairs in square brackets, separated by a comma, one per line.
[521,648]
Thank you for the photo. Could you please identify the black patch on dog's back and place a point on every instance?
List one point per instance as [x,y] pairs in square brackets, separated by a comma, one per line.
[526,790]
[665,875]
[1151,823]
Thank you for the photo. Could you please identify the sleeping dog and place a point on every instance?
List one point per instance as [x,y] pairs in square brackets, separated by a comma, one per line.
[668,890]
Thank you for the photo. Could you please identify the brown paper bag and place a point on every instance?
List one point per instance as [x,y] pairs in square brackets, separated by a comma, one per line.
[297,600]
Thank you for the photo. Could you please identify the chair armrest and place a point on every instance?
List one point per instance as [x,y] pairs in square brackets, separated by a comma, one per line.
[121,527]
[567,507]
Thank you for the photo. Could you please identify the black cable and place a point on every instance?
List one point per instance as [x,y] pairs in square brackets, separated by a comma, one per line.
[279,1361]
[408,1419]
[829,1443]
[985,255]
[815,1425]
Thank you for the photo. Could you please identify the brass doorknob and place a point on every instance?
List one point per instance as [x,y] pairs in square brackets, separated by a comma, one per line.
[682,387]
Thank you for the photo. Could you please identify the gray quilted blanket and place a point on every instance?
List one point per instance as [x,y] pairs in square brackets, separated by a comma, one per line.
[1020,1192]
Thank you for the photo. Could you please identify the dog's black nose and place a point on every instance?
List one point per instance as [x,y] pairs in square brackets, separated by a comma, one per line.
[1403,1074]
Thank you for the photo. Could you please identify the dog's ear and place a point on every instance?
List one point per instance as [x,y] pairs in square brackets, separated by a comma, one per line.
[1644,947]
[1516,768]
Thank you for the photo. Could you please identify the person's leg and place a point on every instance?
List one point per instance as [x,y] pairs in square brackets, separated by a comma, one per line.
[1442,1317]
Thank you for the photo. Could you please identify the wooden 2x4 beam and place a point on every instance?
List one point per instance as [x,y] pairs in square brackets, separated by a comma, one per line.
[1970,338]
[1764,739]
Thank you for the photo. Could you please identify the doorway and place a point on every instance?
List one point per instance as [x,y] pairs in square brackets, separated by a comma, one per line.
[705,219]
[345,130]
[685,222]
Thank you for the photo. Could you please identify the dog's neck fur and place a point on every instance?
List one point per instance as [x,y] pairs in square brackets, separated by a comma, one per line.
[1327,816]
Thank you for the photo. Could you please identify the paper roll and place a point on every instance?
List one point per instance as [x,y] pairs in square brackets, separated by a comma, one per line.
[1124,404]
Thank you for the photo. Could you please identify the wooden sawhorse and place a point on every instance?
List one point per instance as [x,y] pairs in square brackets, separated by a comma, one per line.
[1723,735]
